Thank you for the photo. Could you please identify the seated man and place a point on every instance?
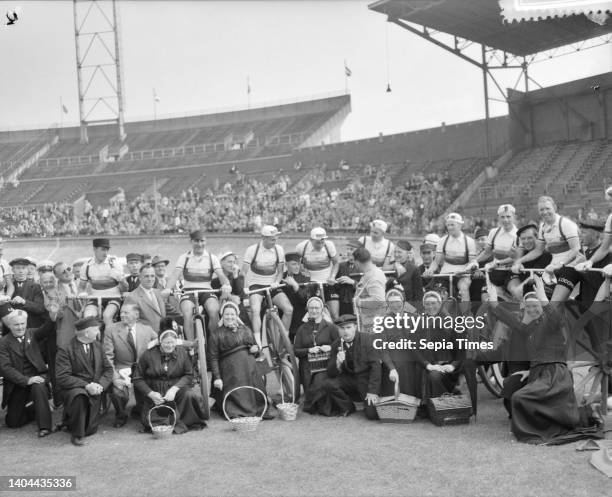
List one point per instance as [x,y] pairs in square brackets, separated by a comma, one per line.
[26,395]
[83,374]
[147,299]
[124,343]
[354,373]
[27,294]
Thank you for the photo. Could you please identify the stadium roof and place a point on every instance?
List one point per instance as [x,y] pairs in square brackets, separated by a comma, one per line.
[481,21]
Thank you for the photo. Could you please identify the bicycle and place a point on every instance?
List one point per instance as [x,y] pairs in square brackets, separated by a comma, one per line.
[276,346]
[200,361]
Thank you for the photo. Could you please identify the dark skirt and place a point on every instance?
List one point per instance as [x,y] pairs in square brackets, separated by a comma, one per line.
[410,379]
[239,369]
[187,405]
[311,386]
[546,407]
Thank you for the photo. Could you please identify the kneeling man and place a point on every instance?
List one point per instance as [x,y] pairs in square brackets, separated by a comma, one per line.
[26,394]
[83,373]
[354,373]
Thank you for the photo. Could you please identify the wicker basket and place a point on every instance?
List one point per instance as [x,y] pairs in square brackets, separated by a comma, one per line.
[162,430]
[318,361]
[248,423]
[398,408]
[286,410]
[449,409]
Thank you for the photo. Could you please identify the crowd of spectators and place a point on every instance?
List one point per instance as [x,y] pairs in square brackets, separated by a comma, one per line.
[244,204]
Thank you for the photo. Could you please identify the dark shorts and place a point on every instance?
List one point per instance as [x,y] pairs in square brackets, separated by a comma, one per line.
[104,302]
[567,277]
[500,278]
[330,292]
[202,298]
[273,293]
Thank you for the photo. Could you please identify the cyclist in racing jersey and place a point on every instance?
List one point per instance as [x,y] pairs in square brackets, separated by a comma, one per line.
[558,236]
[454,253]
[320,259]
[197,267]
[381,249]
[500,245]
[104,275]
[263,266]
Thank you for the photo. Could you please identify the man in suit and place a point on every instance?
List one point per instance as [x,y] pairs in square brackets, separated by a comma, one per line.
[132,280]
[124,343]
[26,395]
[408,276]
[27,295]
[354,371]
[160,265]
[148,299]
[83,373]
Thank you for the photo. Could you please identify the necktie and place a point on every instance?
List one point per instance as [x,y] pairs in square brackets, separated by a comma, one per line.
[132,344]
[153,300]
[22,344]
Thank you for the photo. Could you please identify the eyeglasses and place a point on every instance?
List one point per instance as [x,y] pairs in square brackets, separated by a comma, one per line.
[67,269]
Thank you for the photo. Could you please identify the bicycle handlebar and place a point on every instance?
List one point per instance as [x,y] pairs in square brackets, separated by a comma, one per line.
[264,289]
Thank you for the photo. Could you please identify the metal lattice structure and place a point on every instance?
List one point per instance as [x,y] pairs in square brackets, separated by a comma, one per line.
[99,67]
[473,31]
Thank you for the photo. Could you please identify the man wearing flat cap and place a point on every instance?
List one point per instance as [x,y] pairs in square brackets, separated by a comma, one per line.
[347,278]
[131,281]
[354,373]
[381,249]
[297,295]
[26,394]
[229,264]
[104,274]
[27,295]
[83,374]
[408,278]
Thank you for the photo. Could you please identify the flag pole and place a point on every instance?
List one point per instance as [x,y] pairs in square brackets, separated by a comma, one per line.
[248,92]
[61,112]
[154,105]
[345,78]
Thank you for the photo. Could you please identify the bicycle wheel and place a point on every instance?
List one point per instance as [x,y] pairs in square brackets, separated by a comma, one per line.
[492,378]
[202,366]
[281,354]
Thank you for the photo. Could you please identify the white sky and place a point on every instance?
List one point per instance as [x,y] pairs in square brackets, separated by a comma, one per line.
[198,54]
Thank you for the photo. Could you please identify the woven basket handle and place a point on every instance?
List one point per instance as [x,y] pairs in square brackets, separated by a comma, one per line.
[155,408]
[249,387]
[282,390]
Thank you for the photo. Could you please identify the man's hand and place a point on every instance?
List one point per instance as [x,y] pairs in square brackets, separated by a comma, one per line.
[524,374]
[340,358]
[18,301]
[3,296]
[345,280]
[517,268]
[170,394]
[471,266]
[428,273]
[94,388]
[393,376]
[35,379]
[290,280]
[254,349]
[218,384]
[331,282]
[371,399]
[119,383]
[274,285]
[490,265]
[434,367]
[226,291]
[156,398]
[584,266]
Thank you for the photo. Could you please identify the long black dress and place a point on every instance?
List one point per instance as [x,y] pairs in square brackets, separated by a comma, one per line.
[545,409]
[308,335]
[437,383]
[232,362]
[404,361]
[157,371]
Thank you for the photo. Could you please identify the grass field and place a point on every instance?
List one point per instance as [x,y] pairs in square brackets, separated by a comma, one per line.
[312,456]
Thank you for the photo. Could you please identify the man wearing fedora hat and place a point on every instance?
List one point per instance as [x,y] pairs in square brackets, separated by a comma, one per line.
[160,265]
